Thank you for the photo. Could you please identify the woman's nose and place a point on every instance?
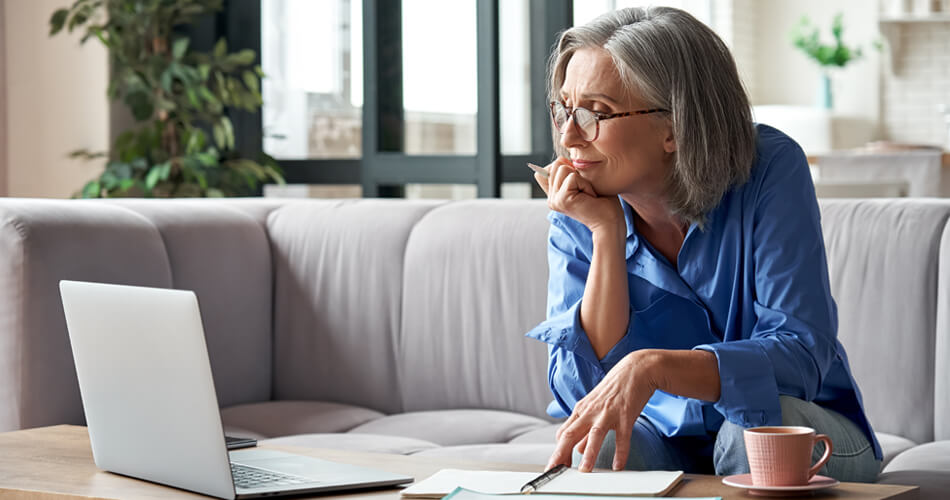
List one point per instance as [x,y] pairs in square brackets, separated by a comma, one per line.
[570,136]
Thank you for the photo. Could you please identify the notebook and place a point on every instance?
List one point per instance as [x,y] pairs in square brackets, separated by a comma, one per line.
[463,494]
[571,482]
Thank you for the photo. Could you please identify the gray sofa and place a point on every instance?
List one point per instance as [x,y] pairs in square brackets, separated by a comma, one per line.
[397,326]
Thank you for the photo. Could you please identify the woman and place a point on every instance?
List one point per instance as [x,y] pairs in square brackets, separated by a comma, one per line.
[688,295]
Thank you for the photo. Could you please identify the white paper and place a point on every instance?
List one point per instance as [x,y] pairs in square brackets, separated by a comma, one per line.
[571,481]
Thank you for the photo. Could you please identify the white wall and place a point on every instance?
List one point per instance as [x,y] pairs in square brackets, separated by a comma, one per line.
[56,102]
[919,82]
[785,75]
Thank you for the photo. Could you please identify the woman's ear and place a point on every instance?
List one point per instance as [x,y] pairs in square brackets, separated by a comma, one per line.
[669,142]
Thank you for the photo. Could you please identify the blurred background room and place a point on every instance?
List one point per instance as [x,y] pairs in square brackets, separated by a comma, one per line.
[445,99]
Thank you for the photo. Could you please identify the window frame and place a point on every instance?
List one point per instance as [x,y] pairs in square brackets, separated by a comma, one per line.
[382,170]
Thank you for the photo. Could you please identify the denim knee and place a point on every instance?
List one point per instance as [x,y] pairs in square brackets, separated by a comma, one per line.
[729,456]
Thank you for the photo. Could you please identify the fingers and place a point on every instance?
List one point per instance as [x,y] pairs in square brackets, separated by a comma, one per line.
[581,446]
[595,439]
[561,455]
[622,447]
[557,174]
[568,435]
[542,182]
[567,424]
[583,185]
[560,164]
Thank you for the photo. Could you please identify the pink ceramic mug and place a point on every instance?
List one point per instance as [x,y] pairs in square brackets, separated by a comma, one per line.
[781,455]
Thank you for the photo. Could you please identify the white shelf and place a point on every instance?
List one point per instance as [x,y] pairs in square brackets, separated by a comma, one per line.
[892,28]
[912,18]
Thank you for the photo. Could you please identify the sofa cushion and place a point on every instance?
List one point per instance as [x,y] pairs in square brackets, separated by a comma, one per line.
[546,434]
[892,446]
[454,427]
[207,243]
[928,456]
[476,281]
[285,418]
[883,263]
[537,454]
[338,277]
[355,442]
[934,485]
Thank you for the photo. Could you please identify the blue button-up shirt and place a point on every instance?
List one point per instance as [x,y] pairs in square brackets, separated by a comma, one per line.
[751,287]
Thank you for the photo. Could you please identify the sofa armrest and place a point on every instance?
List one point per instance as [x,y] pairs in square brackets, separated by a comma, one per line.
[41,243]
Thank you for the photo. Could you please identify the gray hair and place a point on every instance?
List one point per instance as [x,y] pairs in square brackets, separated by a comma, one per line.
[677,63]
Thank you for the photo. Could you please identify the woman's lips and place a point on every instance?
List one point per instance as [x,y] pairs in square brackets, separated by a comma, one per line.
[584,164]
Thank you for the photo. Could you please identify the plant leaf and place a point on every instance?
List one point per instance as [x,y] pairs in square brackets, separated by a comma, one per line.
[151,179]
[56,22]
[218,131]
[220,48]
[92,189]
[140,105]
[179,47]
[243,58]
[228,132]
[250,79]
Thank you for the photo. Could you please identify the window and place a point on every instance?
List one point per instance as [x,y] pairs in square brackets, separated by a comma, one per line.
[440,95]
[391,95]
[311,52]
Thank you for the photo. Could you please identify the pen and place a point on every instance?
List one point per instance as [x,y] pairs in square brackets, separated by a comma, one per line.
[545,477]
[540,170]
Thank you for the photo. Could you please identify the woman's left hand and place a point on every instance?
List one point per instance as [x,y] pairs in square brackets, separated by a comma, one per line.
[615,404]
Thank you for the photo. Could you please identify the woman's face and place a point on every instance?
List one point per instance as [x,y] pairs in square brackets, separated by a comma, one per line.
[631,154]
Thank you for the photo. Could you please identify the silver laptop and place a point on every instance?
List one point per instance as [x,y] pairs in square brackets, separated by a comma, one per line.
[151,407]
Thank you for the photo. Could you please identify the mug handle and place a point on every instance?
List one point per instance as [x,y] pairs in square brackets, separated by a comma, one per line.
[824,458]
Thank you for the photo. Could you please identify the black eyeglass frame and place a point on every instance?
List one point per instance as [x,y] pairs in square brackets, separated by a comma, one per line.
[598,117]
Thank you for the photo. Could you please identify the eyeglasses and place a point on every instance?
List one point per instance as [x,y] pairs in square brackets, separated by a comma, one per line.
[587,122]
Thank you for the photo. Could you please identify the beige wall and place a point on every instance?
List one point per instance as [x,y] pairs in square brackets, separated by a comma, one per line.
[56,102]
[784,75]
[3,105]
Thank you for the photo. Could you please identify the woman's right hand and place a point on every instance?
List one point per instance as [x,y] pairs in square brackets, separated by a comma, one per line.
[574,196]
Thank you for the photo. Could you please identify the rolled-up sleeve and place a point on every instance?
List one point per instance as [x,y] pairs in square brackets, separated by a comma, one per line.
[573,367]
[792,344]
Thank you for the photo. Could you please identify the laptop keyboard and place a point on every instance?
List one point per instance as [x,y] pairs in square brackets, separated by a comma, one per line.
[252,477]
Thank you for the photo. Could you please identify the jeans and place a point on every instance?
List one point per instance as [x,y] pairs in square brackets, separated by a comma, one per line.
[852,457]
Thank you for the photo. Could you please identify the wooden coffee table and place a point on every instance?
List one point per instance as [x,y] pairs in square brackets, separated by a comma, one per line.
[56,463]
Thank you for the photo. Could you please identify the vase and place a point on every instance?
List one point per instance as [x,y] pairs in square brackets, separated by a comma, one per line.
[825,99]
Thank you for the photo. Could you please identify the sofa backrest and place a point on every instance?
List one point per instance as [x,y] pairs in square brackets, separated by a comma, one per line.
[475,282]
[413,305]
[220,250]
[338,276]
[883,262]
[208,247]
[942,350]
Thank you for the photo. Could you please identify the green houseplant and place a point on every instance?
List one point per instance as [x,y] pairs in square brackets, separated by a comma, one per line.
[183,141]
[836,55]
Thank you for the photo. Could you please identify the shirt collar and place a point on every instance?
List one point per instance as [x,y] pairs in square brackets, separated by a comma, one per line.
[627,215]
[647,266]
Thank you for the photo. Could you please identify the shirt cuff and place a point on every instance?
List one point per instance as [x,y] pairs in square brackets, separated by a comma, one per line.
[564,331]
[623,347]
[748,392]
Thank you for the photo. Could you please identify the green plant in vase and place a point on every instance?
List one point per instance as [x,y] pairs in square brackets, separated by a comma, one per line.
[828,56]
[183,141]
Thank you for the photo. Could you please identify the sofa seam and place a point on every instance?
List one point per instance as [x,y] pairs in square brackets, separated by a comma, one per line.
[398,341]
